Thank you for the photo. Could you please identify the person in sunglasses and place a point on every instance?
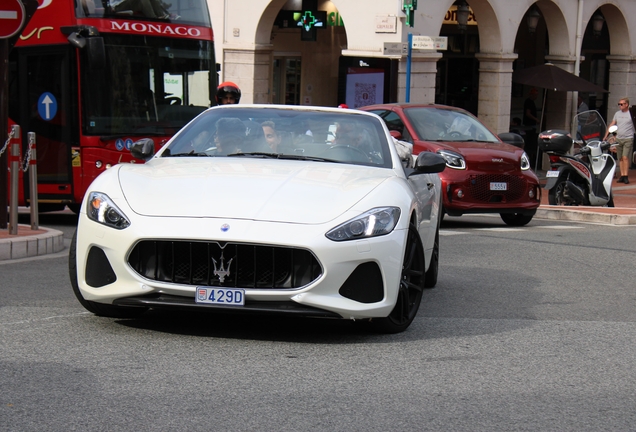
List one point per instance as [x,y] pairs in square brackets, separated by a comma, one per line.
[624,138]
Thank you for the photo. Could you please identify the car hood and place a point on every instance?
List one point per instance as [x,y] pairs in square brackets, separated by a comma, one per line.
[486,156]
[255,189]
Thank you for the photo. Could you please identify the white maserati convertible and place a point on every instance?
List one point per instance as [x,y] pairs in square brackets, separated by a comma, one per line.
[263,208]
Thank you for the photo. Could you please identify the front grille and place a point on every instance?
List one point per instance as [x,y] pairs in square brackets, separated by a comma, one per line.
[224,264]
[479,188]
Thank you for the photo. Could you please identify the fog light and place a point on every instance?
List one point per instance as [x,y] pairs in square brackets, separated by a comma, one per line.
[531,193]
[98,164]
[460,193]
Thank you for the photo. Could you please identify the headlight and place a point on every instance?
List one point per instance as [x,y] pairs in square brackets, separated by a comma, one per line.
[103,210]
[453,160]
[525,162]
[376,222]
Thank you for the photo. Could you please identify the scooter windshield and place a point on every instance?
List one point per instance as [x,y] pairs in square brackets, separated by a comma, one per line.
[590,126]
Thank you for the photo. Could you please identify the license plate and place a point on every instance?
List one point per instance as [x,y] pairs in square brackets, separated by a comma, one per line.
[220,296]
[498,186]
[552,174]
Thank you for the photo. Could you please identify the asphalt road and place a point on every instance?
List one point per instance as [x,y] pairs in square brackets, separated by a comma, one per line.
[528,329]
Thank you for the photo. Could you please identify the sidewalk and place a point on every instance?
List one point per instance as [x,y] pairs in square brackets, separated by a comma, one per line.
[624,212]
[28,243]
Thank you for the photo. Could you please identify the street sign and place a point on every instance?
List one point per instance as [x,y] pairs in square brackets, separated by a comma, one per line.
[431,43]
[12,17]
[396,48]
[47,106]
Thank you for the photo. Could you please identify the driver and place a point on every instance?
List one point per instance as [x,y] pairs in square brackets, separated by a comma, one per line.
[229,136]
[460,125]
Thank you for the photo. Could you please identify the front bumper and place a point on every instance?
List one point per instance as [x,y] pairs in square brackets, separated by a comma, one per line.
[322,297]
[471,193]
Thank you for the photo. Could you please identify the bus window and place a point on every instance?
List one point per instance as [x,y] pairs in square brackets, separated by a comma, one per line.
[154,88]
[193,12]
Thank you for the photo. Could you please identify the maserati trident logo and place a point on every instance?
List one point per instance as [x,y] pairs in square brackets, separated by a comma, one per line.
[222,271]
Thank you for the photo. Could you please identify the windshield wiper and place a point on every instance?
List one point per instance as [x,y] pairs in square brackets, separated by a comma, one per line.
[264,154]
[286,156]
[192,153]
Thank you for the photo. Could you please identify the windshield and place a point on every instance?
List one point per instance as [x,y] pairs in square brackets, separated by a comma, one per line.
[194,12]
[436,124]
[589,126]
[279,133]
[149,86]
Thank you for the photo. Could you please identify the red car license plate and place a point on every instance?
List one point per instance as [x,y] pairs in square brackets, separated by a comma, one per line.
[498,186]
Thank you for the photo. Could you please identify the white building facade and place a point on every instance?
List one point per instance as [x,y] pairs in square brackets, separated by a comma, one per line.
[260,47]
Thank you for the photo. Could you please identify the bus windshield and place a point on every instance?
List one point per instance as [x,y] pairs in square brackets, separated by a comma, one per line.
[193,12]
[155,85]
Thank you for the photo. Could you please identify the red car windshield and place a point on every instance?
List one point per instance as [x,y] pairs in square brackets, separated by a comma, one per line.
[435,124]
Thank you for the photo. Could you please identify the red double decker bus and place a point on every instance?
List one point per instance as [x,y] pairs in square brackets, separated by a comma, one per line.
[90,77]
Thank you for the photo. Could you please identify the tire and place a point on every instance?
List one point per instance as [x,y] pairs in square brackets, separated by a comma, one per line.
[516,219]
[100,309]
[555,195]
[410,289]
[75,208]
[430,277]
[610,203]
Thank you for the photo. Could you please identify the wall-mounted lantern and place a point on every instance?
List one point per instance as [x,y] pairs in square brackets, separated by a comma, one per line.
[533,20]
[463,11]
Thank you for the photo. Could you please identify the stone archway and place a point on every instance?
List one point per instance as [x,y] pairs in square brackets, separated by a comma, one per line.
[622,66]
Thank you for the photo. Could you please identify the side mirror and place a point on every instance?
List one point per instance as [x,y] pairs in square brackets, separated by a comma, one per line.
[143,149]
[396,134]
[513,139]
[613,129]
[428,163]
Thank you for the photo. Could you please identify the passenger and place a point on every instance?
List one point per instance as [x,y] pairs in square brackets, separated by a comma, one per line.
[272,137]
[254,138]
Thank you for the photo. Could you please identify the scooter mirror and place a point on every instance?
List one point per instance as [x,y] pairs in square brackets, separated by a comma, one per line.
[612,129]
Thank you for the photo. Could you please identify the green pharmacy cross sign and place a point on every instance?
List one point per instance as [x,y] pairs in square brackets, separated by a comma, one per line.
[308,20]
[409,7]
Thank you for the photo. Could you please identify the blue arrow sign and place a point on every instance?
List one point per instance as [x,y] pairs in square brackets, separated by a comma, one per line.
[47,106]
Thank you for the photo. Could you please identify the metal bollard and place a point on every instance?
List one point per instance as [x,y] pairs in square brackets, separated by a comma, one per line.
[33,182]
[14,158]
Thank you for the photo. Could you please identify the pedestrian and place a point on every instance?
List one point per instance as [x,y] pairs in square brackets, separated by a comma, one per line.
[624,138]
[531,122]
[228,93]
[582,106]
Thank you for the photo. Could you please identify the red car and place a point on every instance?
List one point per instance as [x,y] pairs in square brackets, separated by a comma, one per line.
[484,174]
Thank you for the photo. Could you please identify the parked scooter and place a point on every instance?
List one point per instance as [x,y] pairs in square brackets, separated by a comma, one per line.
[586,177]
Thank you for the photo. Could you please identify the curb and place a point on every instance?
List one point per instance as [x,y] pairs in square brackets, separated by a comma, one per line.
[583,216]
[51,241]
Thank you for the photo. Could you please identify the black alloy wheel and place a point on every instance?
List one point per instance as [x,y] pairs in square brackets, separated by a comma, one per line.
[410,289]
